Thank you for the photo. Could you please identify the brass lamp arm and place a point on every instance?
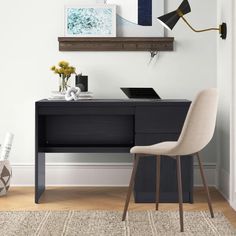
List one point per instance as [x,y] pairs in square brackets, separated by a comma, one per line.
[198,31]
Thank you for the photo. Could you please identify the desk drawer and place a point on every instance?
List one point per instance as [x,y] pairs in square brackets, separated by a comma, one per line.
[163,119]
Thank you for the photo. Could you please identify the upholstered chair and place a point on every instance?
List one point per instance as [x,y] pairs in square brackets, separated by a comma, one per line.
[197,131]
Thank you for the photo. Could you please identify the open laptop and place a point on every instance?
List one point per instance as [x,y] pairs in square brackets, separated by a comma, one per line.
[140,93]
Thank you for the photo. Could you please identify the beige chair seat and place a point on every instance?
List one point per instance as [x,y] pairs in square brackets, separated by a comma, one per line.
[164,148]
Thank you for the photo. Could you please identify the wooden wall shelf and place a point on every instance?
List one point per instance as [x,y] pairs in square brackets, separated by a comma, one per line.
[116,44]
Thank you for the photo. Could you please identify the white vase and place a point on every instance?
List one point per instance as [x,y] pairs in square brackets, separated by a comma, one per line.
[5,177]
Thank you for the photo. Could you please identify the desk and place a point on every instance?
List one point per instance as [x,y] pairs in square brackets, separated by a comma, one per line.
[114,126]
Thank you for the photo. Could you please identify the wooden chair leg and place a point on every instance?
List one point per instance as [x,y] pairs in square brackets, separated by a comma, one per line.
[205,185]
[180,193]
[158,176]
[131,184]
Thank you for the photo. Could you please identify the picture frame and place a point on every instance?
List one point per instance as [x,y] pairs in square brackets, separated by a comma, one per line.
[96,20]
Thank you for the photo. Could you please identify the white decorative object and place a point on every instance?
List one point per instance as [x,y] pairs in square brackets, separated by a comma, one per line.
[72,94]
[98,20]
[5,176]
[6,148]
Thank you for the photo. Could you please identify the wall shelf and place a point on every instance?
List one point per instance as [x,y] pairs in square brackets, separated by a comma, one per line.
[116,44]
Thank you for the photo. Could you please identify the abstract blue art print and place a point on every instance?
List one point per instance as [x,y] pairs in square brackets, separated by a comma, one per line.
[90,21]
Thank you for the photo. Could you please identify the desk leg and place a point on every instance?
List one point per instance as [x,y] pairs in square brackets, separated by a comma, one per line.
[39,175]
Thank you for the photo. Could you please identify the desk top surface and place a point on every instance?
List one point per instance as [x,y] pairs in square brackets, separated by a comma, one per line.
[47,102]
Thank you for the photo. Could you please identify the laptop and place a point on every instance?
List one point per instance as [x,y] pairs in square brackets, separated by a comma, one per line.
[140,93]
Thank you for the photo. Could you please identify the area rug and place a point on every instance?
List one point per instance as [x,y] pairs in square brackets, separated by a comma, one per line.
[108,223]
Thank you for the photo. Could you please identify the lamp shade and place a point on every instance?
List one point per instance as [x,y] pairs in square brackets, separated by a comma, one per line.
[169,20]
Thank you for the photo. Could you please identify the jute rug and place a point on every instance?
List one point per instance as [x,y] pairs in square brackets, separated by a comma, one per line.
[108,223]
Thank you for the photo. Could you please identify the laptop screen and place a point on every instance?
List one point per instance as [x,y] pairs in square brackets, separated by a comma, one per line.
[140,93]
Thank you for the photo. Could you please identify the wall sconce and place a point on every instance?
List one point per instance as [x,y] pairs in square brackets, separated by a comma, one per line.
[169,20]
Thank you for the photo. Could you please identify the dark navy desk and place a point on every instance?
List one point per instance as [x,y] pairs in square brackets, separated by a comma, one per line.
[114,126]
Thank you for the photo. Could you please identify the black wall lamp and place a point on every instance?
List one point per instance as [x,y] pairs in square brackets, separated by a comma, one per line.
[169,20]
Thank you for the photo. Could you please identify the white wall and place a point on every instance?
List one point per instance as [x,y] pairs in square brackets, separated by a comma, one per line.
[224,83]
[28,47]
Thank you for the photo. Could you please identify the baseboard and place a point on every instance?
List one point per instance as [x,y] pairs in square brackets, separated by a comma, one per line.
[223,186]
[210,173]
[91,174]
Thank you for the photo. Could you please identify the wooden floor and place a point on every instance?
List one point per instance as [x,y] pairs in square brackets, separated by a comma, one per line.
[102,199]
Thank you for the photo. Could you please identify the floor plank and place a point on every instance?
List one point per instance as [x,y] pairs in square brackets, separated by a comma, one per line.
[77,198]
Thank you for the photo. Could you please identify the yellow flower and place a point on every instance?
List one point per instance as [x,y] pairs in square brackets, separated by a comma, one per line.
[61,71]
[56,71]
[67,72]
[63,64]
[72,70]
[64,70]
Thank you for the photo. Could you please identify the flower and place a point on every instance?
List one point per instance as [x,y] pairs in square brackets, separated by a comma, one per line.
[56,71]
[63,64]
[67,72]
[72,69]
[61,71]
[64,70]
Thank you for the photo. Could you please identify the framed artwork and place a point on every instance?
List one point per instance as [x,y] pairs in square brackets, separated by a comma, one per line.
[138,18]
[98,20]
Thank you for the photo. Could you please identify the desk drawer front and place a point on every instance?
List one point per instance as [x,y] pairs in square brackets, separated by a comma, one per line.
[163,119]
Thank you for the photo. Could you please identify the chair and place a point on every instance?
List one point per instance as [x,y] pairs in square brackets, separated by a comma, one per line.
[197,131]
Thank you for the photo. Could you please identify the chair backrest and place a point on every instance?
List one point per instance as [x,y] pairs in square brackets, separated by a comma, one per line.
[199,125]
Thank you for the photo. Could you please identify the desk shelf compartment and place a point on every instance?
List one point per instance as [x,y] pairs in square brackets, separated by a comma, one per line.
[86,133]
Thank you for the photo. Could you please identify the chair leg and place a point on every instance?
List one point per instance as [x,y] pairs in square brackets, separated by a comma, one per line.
[131,184]
[205,185]
[158,176]
[180,193]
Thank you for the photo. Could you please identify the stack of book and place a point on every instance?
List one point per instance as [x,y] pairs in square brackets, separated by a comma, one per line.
[85,95]
[61,96]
